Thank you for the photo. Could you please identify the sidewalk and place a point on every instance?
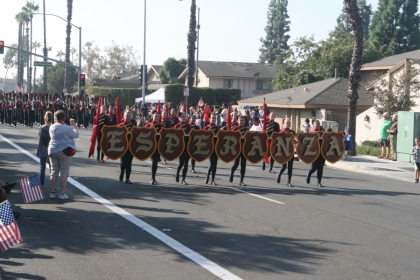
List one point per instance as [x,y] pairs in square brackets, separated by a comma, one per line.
[378,167]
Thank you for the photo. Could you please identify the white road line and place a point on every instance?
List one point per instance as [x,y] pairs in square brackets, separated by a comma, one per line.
[259,196]
[187,252]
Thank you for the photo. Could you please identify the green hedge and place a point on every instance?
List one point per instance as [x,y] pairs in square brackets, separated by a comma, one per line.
[370,148]
[127,95]
[175,93]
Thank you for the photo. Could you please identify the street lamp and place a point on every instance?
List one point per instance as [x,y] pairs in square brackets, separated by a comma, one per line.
[80,46]
[143,89]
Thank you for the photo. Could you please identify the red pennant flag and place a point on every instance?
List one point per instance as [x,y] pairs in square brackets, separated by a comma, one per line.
[118,109]
[228,119]
[159,111]
[95,128]
[265,116]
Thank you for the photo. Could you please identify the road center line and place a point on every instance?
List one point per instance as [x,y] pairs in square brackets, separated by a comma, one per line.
[259,196]
[187,252]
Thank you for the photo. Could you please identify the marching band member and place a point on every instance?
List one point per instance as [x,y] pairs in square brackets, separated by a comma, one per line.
[185,157]
[111,115]
[243,129]
[103,120]
[318,164]
[213,158]
[156,156]
[272,126]
[127,158]
[173,117]
[196,127]
[288,164]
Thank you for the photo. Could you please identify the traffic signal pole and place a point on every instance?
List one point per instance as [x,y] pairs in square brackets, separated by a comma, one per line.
[143,89]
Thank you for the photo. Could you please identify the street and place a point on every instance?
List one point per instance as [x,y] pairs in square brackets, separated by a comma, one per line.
[358,226]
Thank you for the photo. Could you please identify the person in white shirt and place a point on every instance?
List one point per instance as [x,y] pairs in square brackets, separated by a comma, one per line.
[255,125]
[223,115]
[261,112]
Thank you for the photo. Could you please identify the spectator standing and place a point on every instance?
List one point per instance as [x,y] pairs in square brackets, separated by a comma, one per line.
[306,126]
[223,115]
[217,115]
[206,114]
[62,137]
[261,112]
[383,136]
[416,158]
[44,141]
[393,137]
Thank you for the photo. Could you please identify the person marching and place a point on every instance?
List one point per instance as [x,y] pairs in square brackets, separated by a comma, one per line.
[156,156]
[111,115]
[243,129]
[185,157]
[213,158]
[318,164]
[288,164]
[103,120]
[173,118]
[272,126]
[127,158]
[195,127]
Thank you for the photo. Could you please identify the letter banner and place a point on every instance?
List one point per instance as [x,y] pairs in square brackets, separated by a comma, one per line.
[282,148]
[143,142]
[308,147]
[333,146]
[171,143]
[255,146]
[114,141]
[201,146]
[228,145]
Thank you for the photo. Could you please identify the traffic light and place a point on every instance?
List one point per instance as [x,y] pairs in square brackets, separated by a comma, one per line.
[141,75]
[82,80]
[1,47]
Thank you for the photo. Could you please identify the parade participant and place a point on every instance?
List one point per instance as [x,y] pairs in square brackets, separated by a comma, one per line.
[196,127]
[243,129]
[318,164]
[213,158]
[234,121]
[111,115]
[272,126]
[62,137]
[156,156]
[127,158]
[256,126]
[44,141]
[206,114]
[289,164]
[85,110]
[103,120]
[173,117]
[185,157]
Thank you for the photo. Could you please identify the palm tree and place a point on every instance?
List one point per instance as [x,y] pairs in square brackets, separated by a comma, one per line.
[192,38]
[36,45]
[21,17]
[73,51]
[67,74]
[355,65]
[30,8]
[44,83]
[60,54]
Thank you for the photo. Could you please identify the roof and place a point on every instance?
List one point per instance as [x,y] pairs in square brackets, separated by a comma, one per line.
[235,69]
[156,68]
[327,92]
[390,61]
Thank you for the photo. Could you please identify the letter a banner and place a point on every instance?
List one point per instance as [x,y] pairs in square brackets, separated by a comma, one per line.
[308,147]
[201,146]
[171,143]
[282,148]
[143,142]
[255,146]
[114,141]
[228,145]
[333,146]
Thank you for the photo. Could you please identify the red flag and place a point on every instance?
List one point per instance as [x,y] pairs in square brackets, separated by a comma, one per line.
[95,128]
[201,102]
[118,109]
[9,230]
[31,189]
[228,118]
[264,116]
[159,111]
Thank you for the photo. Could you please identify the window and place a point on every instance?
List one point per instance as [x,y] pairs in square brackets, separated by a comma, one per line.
[227,83]
[328,116]
[260,84]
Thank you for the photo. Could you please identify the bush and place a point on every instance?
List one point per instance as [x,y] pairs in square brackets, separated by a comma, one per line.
[371,148]
[127,95]
[371,143]
[175,93]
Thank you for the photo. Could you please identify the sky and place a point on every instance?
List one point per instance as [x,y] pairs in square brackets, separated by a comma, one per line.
[230,29]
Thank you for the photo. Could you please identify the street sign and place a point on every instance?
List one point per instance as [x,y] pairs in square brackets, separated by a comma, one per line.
[186,92]
[42,63]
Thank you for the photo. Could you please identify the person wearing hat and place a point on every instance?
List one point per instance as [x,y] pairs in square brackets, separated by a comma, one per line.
[256,126]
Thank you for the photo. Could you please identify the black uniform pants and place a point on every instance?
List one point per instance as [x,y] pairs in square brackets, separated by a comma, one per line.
[183,162]
[289,166]
[126,161]
[213,166]
[318,165]
[98,148]
[155,162]
[236,164]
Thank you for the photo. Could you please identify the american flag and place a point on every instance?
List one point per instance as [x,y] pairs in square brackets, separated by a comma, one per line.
[9,230]
[31,189]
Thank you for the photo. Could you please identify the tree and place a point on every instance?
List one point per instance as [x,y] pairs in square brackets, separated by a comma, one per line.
[355,65]
[400,96]
[365,12]
[36,45]
[94,63]
[408,30]
[67,82]
[171,70]
[60,54]
[55,78]
[30,8]
[274,45]
[121,59]
[192,38]
[21,18]
[9,61]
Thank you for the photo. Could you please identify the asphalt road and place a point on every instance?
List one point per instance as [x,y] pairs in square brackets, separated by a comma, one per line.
[358,226]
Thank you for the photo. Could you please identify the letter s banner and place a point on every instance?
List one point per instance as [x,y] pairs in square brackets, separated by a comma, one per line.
[143,142]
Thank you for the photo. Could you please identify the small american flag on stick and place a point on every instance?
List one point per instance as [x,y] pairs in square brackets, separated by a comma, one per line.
[9,230]
[31,189]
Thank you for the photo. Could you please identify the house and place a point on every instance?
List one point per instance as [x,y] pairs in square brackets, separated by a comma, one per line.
[130,79]
[324,100]
[8,85]
[368,122]
[252,79]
